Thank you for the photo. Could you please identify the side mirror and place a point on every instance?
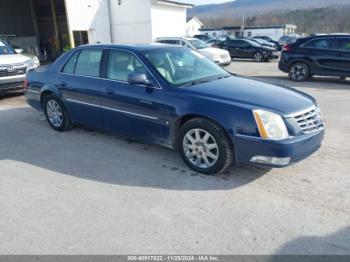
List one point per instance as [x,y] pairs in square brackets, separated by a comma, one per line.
[139,79]
[19,50]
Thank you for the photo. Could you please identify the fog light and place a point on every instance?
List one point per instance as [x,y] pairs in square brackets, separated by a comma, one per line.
[277,161]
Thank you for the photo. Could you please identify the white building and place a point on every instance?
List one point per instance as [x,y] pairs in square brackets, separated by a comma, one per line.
[52,26]
[274,32]
[215,32]
[126,21]
[193,26]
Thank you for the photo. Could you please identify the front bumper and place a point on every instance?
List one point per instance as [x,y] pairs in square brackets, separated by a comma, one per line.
[11,87]
[296,148]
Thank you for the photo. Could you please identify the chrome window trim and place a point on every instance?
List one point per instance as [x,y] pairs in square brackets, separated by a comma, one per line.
[119,81]
[111,109]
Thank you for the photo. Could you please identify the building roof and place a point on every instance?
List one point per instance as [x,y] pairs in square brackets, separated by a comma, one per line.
[195,18]
[176,3]
[249,27]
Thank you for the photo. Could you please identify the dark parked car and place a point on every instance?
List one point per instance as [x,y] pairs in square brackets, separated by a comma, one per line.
[327,55]
[177,97]
[288,39]
[242,48]
[262,42]
[279,46]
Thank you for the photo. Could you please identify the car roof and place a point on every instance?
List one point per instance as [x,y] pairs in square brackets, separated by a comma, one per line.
[131,47]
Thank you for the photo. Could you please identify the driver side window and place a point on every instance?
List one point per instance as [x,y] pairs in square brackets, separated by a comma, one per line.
[121,64]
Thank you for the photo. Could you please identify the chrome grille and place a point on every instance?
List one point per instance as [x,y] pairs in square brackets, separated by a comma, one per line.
[12,70]
[310,121]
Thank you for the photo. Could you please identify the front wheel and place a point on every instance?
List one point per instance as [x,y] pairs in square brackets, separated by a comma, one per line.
[205,147]
[258,57]
[56,114]
[299,72]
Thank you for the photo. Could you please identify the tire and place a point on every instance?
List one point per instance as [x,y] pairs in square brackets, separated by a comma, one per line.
[56,114]
[299,72]
[258,57]
[210,151]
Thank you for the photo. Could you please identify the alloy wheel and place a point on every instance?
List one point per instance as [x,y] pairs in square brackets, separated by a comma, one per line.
[54,113]
[298,72]
[258,57]
[200,148]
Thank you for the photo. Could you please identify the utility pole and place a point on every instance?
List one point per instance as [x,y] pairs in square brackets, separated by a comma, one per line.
[243,26]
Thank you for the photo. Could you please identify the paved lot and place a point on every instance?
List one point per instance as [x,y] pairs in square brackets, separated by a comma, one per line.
[94,193]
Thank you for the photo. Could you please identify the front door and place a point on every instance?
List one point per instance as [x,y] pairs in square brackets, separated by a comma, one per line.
[131,109]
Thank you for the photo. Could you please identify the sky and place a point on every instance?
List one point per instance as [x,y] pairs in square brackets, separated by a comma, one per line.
[203,2]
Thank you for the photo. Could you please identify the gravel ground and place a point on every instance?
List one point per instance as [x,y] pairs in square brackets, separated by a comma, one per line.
[89,192]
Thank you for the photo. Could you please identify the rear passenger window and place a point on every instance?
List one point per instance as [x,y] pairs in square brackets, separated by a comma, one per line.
[322,44]
[121,64]
[88,63]
[70,65]
[344,44]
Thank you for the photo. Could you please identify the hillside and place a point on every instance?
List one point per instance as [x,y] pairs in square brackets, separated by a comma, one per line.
[327,19]
[254,7]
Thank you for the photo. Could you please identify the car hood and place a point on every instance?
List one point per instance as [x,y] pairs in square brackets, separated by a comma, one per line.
[255,94]
[213,51]
[13,59]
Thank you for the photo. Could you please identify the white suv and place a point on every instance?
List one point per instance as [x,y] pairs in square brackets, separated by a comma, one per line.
[219,56]
[13,68]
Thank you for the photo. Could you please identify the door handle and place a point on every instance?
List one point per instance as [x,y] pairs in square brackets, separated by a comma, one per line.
[63,84]
[110,91]
[145,102]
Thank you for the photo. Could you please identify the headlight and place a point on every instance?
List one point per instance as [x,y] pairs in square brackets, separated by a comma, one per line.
[34,62]
[270,125]
[30,63]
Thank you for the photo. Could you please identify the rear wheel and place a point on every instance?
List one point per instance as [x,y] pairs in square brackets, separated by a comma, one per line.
[204,146]
[299,72]
[56,114]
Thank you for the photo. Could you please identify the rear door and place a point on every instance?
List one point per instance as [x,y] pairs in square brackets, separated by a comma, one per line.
[80,86]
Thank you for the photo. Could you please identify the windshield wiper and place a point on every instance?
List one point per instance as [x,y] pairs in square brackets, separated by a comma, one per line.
[222,77]
[193,83]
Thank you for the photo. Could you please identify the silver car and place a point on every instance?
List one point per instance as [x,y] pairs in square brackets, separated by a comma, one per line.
[13,68]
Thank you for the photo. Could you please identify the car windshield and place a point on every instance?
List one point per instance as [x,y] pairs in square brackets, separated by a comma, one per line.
[183,67]
[5,49]
[198,44]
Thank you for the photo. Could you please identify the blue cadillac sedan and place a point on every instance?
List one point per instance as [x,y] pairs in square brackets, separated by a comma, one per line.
[176,97]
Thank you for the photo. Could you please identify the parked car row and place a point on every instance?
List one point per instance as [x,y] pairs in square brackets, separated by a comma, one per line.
[219,56]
